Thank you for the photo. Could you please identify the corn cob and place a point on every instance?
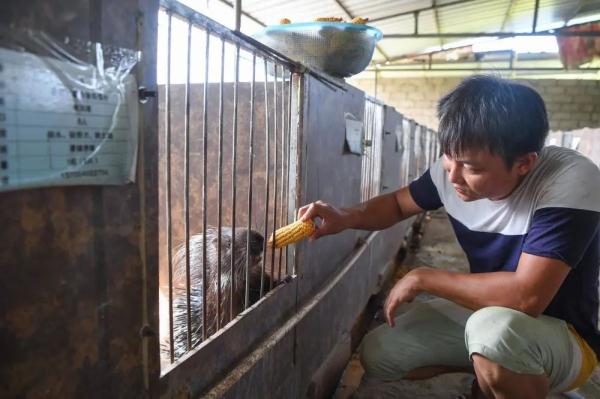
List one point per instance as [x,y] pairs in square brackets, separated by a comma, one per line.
[292,233]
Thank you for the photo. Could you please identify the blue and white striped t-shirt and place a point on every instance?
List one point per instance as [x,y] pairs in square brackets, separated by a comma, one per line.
[554,212]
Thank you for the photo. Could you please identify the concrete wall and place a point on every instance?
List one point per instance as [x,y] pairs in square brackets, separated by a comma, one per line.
[571,104]
[586,141]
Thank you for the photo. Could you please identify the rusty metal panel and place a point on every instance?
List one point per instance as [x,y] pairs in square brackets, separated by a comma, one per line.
[208,363]
[75,273]
[272,373]
[392,151]
[55,17]
[328,174]
[333,317]
[285,362]
[146,22]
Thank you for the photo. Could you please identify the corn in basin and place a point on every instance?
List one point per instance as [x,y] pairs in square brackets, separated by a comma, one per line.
[292,233]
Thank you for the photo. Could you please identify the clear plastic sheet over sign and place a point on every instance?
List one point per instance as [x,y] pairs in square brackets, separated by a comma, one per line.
[68,112]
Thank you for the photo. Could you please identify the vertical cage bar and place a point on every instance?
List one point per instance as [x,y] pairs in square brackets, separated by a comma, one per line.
[275,126]
[287,176]
[364,161]
[282,141]
[205,184]
[186,198]
[373,154]
[234,178]
[168,184]
[266,202]
[220,188]
[368,160]
[250,173]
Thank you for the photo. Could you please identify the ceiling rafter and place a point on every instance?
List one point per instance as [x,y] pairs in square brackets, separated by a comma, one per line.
[350,16]
[507,15]
[244,13]
[437,22]
[418,10]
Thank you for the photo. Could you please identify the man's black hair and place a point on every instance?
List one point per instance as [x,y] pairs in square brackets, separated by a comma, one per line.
[484,112]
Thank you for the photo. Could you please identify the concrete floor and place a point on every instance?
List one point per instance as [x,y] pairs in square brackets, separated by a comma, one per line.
[438,248]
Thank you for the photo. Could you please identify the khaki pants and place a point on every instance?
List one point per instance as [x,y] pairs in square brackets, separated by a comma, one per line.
[441,333]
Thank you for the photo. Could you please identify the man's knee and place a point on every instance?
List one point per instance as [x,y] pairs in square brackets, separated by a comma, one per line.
[489,326]
[378,360]
[502,335]
[370,351]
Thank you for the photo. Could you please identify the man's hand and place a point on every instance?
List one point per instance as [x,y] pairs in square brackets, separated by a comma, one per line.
[333,220]
[405,290]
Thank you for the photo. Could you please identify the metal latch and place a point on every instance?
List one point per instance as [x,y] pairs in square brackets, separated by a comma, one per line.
[144,94]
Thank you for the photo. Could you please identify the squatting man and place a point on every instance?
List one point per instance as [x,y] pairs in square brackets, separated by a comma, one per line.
[525,318]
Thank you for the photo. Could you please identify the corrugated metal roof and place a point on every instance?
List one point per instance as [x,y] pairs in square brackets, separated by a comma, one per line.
[448,16]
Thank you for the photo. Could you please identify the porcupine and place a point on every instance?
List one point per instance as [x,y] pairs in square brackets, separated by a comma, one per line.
[196,284]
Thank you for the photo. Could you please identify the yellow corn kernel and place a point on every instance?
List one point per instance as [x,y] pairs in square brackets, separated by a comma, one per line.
[329,19]
[359,20]
[292,233]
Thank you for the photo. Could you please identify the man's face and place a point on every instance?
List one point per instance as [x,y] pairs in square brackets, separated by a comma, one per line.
[477,174]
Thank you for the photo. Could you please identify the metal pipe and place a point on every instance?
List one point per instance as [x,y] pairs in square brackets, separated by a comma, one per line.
[234,179]
[266,202]
[237,9]
[168,184]
[282,141]
[481,69]
[370,174]
[490,34]
[287,175]
[205,185]
[223,32]
[417,57]
[275,67]
[436,18]
[416,22]
[250,173]
[220,187]
[186,182]
[299,112]
[535,15]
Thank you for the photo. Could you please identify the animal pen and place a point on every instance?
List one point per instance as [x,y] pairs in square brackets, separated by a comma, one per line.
[238,146]
[242,149]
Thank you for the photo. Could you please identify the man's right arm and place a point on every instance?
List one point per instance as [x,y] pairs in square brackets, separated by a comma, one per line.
[377,213]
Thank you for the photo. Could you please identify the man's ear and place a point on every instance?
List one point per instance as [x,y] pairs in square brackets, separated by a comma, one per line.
[525,163]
